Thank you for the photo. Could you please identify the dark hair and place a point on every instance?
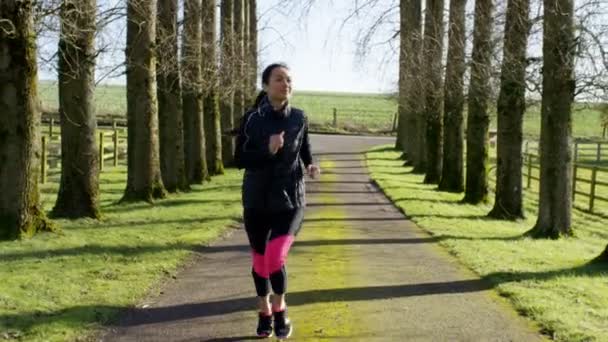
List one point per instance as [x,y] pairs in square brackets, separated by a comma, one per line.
[266,79]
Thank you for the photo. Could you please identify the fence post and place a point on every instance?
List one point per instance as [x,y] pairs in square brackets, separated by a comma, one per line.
[115,138]
[598,155]
[51,124]
[593,180]
[575,151]
[43,161]
[335,118]
[100,151]
[529,171]
[574,172]
[395,116]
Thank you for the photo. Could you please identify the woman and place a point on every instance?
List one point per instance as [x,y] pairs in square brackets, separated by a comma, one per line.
[273,148]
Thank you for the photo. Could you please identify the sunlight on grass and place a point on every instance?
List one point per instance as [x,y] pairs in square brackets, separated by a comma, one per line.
[57,287]
[550,281]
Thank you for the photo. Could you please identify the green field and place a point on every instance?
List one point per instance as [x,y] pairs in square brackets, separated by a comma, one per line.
[355,112]
[552,282]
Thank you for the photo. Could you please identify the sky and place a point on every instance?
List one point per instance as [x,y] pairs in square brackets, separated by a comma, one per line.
[320,47]
[320,53]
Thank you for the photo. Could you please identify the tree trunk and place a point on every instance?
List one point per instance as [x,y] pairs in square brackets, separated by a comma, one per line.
[555,203]
[213,130]
[170,115]
[421,156]
[247,100]
[478,120]
[433,95]
[253,49]
[403,50]
[226,90]
[196,161]
[144,179]
[452,177]
[604,256]
[413,101]
[20,212]
[79,189]
[508,202]
[428,46]
[238,80]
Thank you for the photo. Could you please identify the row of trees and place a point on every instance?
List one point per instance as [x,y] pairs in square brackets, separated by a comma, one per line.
[431,122]
[183,94]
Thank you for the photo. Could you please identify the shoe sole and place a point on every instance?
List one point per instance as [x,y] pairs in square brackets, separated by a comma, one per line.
[263,335]
[285,337]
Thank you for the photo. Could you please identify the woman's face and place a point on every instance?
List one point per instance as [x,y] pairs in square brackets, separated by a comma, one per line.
[279,85]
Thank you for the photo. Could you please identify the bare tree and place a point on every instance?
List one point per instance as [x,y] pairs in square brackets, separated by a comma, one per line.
[144,180]
[433,94]
[79,189]
[403,50]
[247,101]
[20,212]
[478,120]
[508,202]
[238,76]
[555,200]
[413,80]
[169,91]
[420,111]
[226,91]
[252,51]
[213,129]
[194,133]
[452,178]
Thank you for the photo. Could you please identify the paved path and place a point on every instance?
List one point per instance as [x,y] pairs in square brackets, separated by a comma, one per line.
[359,271]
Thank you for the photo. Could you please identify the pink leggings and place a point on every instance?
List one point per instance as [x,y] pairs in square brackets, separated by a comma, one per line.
[271,234]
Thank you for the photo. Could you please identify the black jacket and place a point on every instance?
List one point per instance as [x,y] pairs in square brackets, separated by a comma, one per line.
[273,182]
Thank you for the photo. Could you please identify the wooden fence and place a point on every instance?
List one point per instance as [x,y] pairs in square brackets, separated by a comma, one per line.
[589,178]
[112,145]
[376,118]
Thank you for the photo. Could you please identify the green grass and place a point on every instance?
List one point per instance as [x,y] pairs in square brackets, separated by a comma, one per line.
[552,282]
[109,99]
[58,287]
[586,121]
[356,112]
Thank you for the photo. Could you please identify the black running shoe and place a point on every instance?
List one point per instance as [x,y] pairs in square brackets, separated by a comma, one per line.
[282,325]
[264,325]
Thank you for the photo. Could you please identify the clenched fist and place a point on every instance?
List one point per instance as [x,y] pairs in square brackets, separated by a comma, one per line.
[313,171]
[276,142]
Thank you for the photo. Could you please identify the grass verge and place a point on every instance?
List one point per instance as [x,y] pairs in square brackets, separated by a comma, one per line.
[62,287]
[552,282]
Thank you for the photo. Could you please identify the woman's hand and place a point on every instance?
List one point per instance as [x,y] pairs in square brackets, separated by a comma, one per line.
[313,171]
[276,142]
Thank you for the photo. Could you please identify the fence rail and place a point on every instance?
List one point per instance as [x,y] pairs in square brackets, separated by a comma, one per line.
[586,179]
[588,152]
[367,119]
[112,145]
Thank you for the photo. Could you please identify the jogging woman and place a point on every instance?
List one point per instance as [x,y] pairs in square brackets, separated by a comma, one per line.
[274,149]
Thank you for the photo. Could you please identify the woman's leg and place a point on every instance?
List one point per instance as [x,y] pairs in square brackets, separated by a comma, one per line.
[258,231]
[284,227]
